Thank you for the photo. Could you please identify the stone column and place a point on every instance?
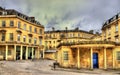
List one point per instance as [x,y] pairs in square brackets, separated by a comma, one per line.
[78,58]
[21,52]
[6,53]
[91,57]
[32,52]
[113,59]
[43,54]
[14,52]
[38,53]
[105,60]
[26,52]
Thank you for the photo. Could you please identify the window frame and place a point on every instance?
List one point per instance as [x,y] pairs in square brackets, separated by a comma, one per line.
[65,55]
[24,39]
[3,23]
[35,41]
[19,25]
[11,38]
[35,30]
[118,55]
[30,28]
[116,28]
[18,37]
[3,37]
[11,23]
[25,26]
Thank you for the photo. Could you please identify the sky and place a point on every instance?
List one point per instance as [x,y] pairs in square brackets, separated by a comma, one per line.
[84,14]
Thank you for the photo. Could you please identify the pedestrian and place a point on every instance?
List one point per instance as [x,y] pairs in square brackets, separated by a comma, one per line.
[54,65]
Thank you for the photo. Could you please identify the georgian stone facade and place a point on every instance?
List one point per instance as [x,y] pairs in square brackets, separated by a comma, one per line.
[21,37]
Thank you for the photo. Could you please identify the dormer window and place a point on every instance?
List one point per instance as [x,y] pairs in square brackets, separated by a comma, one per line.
[4,13]
[116,28]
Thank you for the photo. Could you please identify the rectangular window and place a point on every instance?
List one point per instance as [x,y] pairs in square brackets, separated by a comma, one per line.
[35,40]
[116,39]
[24,26]
[3,23]
[118,55]
[35,30]
[78,34]
[30,39]
[30,28]
[18,38]
[3,37]
[50,42]
[9,52]
[19,25]
[70,35]
[40,31]
[116,28]
[65,53]
[109,31]
[54,42]
[40,41]
[1,52]
[73,35]
[24,38]
[11,23]
[11,36]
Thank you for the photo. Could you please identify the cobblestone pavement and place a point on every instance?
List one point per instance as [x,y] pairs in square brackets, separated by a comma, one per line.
[42,67]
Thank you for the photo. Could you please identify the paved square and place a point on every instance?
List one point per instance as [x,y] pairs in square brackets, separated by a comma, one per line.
[42,67]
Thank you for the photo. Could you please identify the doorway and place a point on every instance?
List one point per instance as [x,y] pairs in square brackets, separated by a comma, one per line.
[95,60]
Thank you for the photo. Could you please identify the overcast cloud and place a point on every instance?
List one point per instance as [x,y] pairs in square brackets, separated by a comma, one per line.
[85,14]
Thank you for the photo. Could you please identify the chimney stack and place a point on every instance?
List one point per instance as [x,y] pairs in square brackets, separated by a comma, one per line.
[66,28]
[53,29]
[32,18]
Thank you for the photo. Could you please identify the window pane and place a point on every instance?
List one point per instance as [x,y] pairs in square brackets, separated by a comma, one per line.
[65,53]
[40,31]
[30,39]
[18,37]
[118,55]
[3,23]
[9,52]
[30,28]
[11,37]
[40,41]
[11,23]
[24,26]
[116,28]
[35,40]
[3,37]
[24,38]
[35,30]
[19,24]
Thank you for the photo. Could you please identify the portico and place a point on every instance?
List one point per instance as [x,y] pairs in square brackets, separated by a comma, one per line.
[88,56]
[19,52]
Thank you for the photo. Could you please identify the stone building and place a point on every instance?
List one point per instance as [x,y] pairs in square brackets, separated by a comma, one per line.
[55,37]
[21,36]
[102,53]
